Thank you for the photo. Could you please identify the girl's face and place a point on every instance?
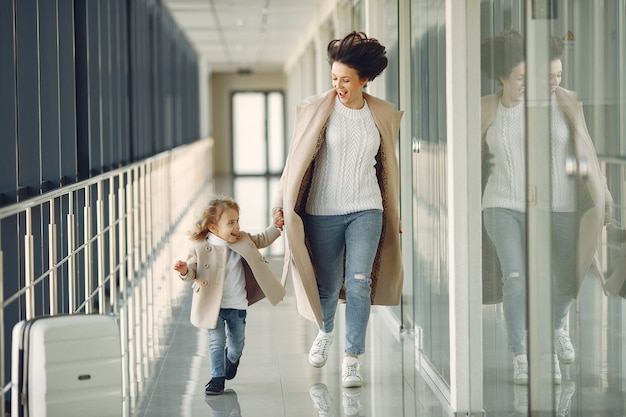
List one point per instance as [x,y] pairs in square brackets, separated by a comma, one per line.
[348,85]
[227,226]
[556,70]
[514,86]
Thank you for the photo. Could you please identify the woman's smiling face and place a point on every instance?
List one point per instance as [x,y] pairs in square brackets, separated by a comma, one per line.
[514,86]
[348,85]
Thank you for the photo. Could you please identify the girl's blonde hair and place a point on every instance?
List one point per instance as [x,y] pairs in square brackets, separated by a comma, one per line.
[211,216]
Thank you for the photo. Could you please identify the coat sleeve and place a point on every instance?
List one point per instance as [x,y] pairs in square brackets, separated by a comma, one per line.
[266,238]
[192,265]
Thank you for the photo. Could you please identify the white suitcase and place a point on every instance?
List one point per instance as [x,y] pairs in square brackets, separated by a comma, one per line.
[66,366]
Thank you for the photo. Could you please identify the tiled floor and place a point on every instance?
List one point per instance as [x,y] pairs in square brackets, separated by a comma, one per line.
[275,378]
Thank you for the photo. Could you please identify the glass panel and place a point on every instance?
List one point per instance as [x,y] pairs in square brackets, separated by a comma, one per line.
[249,146]
[431,284]
[573,147]
[503,323]
[593,67]
[391,79]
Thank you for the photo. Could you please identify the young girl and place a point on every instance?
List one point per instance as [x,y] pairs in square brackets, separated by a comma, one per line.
[228,275]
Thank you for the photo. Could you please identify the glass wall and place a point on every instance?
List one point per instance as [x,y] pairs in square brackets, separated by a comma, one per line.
[430,237]
[552,131]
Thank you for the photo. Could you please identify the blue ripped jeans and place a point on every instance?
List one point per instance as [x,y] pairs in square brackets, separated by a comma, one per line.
[231,330]
[507,230]
[355,235]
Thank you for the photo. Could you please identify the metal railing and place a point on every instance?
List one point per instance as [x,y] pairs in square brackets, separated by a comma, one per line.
[103,246]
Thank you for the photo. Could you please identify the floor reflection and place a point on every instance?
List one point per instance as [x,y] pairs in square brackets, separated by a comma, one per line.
[563,394]
[225,405]
[324,403]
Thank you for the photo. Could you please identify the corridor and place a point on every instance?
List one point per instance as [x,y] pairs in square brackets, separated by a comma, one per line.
[275,378]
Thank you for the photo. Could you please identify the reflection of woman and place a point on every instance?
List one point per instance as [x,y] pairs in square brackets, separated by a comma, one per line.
[578,206]
[338,195]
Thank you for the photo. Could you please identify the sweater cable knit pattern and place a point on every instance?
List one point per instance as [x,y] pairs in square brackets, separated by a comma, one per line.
[344,177]
[506,138]
[506,186]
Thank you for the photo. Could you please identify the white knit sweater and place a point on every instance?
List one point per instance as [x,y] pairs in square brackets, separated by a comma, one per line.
[563,186]
[506,138]
[344,178]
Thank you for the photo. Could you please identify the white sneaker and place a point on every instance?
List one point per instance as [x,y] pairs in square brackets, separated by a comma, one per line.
[520,398]
[350,374]
[520,369]
[319,350]
[565,401]
[563,347]
[322,401]
[556,373]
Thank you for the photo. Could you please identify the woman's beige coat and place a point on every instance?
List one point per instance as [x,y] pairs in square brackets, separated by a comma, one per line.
[308,137]
[594,199]
[206,266]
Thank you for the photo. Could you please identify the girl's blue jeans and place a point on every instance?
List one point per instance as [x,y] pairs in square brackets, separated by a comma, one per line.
[507,230]
[355,236]
[231,329]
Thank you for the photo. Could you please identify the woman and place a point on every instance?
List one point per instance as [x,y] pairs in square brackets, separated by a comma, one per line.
[578,207]
[338,198]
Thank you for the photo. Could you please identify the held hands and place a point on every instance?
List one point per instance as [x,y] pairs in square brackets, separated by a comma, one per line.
[277,217]
[279,221]
[181,267]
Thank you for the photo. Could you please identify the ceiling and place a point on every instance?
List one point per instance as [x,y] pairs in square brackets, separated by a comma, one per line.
[243,35]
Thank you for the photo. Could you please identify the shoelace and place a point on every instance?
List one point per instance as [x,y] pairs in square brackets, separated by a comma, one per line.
[352,369]
[321,346]
[321,401]
[521,367]
[563,343]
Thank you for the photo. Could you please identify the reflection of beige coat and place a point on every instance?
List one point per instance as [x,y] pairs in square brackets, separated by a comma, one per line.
[594,198]
[614,284]
[206,266]
[308,137]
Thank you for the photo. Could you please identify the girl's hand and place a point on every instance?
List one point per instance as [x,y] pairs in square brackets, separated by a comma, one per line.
[181,267]
[277,217]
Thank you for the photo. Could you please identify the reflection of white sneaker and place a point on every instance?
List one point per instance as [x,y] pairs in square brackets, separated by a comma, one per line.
[322,401]
[351,401]
[565,401]
[556,370]
[319,350]
[350,373]
[520,369]
[520,398]
[563,347]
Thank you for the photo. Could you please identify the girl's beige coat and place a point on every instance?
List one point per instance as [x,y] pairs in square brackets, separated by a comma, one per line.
[308,136]
[206,266]
[594,199]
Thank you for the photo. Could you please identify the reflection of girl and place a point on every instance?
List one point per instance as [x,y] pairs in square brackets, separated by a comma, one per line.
[577,206]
